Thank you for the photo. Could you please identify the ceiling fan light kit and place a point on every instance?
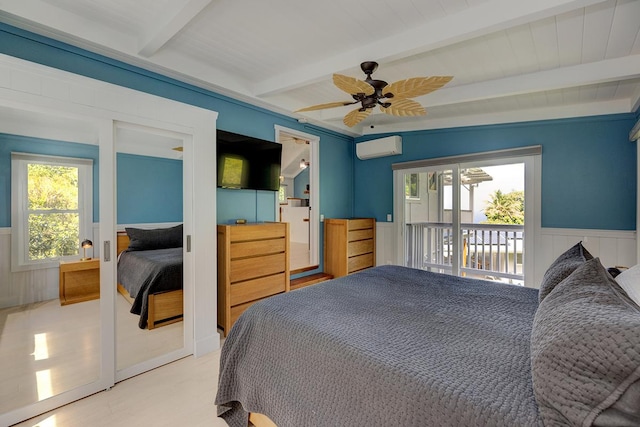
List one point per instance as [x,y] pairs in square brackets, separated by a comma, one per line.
[393,98]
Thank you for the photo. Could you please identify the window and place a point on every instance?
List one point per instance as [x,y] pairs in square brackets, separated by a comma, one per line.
[282,193]
[411,187]
[51,209]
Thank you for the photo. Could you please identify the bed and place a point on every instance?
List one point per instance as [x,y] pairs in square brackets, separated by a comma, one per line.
[150,273]
[397,346]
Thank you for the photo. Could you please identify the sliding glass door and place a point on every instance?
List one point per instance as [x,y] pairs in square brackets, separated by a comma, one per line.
[466,218]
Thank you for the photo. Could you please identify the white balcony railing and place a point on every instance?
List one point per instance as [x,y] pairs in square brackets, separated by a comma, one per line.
[489,251]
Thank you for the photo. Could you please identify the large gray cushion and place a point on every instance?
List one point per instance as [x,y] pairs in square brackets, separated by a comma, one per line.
[585,352]
[562,267]
[158,238]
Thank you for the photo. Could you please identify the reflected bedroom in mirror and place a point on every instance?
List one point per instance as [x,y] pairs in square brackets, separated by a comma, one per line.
[50,282]
[149,302]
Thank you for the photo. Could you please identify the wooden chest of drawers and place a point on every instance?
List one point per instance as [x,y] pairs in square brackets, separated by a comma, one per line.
[349,245]
[253,263]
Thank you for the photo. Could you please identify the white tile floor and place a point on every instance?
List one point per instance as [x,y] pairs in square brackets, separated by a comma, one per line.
[178,394]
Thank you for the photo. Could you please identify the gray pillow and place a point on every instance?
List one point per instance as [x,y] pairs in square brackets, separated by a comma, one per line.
[158,238]
[585,352]
[562,267]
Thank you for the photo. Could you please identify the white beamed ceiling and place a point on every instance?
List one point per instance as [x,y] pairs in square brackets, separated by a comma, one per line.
[512,60]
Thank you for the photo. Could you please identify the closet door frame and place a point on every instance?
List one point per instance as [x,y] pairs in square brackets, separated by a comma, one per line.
[45,90]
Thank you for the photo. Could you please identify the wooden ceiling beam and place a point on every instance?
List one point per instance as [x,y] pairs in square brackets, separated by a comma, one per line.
[174,20]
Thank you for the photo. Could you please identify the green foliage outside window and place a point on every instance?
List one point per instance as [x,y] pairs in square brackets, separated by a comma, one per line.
[411,186]
[505,208]
[53,217]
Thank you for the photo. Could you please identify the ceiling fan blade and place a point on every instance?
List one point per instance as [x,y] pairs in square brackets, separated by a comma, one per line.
[416,86]
[404,108]
[356,116]
[323,106]
[351,85]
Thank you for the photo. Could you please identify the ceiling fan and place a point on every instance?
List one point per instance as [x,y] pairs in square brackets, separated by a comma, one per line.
[392,98]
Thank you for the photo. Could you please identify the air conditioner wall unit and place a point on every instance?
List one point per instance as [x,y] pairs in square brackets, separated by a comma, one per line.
[389,146]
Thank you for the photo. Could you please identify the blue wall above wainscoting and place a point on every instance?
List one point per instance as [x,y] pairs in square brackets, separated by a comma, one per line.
[300,183]
[336,150]
[24,144]
[588,167]
[149,189]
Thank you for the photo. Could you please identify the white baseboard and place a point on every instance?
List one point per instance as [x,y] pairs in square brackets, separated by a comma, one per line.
[206,345]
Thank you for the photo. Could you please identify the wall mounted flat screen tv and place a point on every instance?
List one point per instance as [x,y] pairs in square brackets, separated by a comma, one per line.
[248,163]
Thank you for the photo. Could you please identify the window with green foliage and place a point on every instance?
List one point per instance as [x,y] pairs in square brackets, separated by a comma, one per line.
[51,207]
[411,186]
[282,194]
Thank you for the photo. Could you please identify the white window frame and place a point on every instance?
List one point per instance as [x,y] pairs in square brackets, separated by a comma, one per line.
[19,207]
[416,198]
[531,156]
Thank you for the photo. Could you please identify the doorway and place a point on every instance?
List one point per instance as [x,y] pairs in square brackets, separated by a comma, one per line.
[468,218]
[298,199]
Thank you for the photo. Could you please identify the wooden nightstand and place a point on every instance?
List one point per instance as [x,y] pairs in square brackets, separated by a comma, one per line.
[79,281]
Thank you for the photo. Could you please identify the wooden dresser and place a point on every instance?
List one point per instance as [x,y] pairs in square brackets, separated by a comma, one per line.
[253,263]
[349,245]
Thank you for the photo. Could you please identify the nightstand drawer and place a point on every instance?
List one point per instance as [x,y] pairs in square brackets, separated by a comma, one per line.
[79,281]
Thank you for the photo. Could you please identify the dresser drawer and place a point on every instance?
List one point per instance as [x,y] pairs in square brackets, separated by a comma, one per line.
[354,235]
[251,268]
[360,223]
[360,262]
[253,233]
[257,248]
[360,247]
[251,290]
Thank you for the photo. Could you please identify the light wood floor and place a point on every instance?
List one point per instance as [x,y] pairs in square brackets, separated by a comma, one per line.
[178,394]
[46,348]
[299,255]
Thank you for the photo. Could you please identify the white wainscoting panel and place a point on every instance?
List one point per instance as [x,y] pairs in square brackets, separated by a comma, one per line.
[31,286]
[613,247]
[385,243]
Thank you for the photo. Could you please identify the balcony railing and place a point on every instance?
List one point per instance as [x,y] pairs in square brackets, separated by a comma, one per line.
[489,251]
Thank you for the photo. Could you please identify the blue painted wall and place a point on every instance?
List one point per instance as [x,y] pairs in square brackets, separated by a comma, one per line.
[300,183]
[336,152]
[149,189]
[588,167]
[23,144]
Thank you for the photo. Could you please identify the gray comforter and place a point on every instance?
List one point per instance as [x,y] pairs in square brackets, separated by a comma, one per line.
[145,272]
[389,346]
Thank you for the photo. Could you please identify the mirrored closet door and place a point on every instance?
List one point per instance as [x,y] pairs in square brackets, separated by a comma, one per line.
[65,331]
[50,309]
[151,247]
